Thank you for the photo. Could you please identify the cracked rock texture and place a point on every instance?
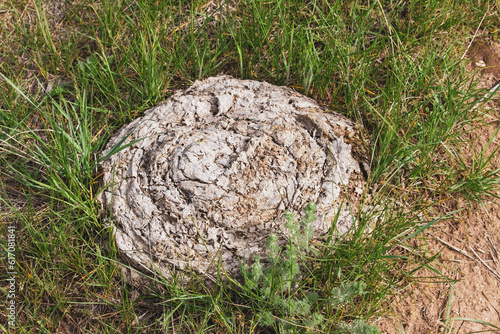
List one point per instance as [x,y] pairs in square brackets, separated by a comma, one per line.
[211,171]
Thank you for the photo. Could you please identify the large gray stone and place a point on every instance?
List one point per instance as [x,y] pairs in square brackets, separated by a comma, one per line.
[216,166]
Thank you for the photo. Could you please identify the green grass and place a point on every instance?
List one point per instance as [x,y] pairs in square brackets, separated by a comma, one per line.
[395,68]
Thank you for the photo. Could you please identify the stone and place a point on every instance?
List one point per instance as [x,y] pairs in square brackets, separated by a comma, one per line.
[204,178]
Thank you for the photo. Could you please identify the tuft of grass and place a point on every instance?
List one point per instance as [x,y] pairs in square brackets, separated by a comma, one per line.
[72,74]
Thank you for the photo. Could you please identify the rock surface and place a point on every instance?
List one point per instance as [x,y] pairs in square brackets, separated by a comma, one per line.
[210,173]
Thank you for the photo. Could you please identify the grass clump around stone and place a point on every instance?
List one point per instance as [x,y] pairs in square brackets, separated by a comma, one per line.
[74,72]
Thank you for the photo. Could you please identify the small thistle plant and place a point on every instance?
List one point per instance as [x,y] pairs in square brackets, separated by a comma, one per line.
[285,301]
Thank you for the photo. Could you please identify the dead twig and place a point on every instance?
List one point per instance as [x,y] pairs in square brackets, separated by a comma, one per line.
[484,263]
[492,91]
[456,249]
[494,251]
[474,37]
[463,252]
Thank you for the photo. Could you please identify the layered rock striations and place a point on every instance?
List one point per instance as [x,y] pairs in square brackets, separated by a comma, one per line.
[205,177]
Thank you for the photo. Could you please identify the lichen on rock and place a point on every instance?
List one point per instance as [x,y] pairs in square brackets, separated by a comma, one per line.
[210,173]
